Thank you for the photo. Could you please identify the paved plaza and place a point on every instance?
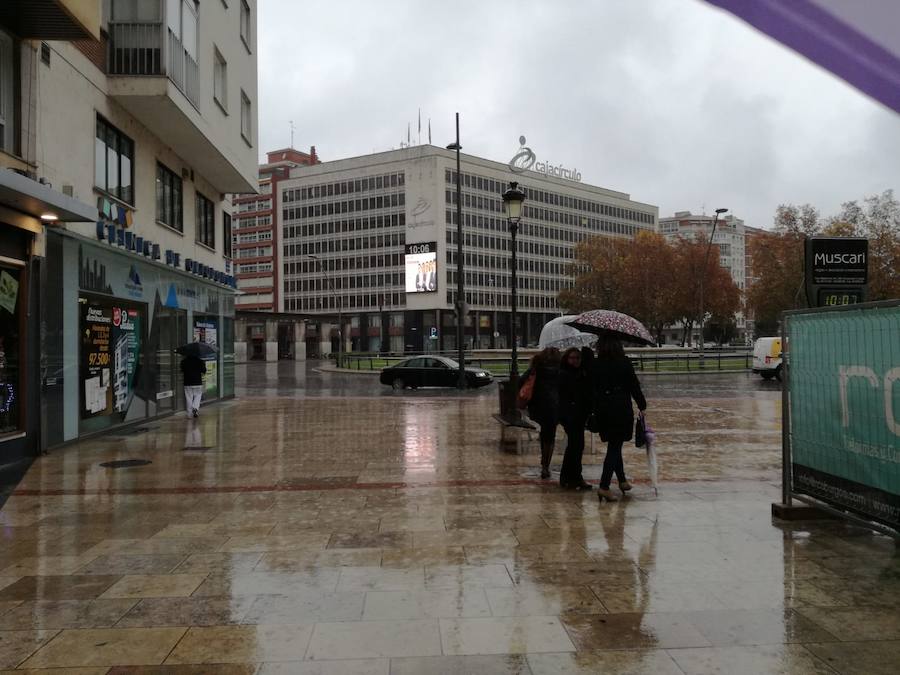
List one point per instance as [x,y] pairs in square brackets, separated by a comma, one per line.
[324,524]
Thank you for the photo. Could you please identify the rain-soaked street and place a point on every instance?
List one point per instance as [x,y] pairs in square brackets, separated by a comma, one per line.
[323,523]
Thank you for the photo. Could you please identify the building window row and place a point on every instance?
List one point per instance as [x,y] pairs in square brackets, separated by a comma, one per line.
[370,243]
[364,184]
[534,195]
[370,301]
[388,201]
[382,222]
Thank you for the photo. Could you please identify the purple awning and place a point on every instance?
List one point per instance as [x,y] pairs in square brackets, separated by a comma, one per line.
[857,41]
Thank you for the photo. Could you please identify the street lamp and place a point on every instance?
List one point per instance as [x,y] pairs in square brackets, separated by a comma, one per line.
[703,276]
[339,308]
[512,204]
[460,285]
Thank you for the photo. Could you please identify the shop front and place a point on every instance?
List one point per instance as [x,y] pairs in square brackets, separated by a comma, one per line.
[110,337]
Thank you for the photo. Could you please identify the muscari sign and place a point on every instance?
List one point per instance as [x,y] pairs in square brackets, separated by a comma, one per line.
[836,270]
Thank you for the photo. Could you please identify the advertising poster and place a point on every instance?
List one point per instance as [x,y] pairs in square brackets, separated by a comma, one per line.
[420,263]
[206,330]
[845,410]
[110,353]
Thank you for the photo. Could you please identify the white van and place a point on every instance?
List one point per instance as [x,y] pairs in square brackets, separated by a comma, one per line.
[767,357]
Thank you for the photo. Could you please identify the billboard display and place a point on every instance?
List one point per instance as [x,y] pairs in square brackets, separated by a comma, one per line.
[420,263]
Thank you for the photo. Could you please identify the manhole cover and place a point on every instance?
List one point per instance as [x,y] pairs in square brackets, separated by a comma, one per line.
[125,463]
[198,448]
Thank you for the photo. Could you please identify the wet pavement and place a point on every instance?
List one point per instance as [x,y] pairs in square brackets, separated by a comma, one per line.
[325,524]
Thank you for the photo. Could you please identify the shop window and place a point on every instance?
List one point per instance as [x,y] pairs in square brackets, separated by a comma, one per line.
[168,198]
[10,362]
[206,221]
[113,162]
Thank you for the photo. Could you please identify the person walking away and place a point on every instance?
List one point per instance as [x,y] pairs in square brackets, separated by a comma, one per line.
[574,408]
[615,385]
[193,369]
[543,407]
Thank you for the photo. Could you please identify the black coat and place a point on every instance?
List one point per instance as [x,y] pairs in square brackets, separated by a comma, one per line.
[575,394]
[615,384]
[543,407]
[194,369]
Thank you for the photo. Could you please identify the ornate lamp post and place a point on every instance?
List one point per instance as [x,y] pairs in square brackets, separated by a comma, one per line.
[703,276]
[512,203]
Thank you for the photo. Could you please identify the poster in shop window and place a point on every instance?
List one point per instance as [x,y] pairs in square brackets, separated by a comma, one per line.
[206,330]
[110,352]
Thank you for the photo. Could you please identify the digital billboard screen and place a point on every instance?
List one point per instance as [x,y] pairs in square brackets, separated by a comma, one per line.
[421,267]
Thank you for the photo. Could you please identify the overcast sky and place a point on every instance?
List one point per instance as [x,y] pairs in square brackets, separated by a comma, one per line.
[675,102]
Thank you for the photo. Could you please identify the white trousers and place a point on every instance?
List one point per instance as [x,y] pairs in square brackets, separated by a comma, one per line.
[192,396]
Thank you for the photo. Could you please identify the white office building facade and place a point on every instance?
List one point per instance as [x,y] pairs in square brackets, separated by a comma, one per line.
[373,240]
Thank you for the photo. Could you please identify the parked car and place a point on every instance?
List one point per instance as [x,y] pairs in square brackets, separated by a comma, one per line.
[431,371]
[767,357]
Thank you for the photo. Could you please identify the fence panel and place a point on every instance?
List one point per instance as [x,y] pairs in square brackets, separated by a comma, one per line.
[844,396]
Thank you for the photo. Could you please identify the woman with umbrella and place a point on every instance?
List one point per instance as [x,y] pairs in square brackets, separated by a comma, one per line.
[543,406]
[615,385]
[574,408]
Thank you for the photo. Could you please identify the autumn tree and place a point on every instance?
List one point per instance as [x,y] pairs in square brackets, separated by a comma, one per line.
[777,261]
[650,277]
[599,273]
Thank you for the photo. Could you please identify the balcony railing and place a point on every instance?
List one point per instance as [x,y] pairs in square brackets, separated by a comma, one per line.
[149,49]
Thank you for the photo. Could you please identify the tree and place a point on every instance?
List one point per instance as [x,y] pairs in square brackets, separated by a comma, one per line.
[797,220]
[777,260]
[599,273]
[650,278]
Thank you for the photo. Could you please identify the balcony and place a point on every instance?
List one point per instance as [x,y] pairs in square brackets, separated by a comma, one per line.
[154,74]
[151,49]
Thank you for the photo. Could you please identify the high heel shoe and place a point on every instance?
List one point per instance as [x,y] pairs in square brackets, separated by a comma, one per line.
[625,486]
[606,494]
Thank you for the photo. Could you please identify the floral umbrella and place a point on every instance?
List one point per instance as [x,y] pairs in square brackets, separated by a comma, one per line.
[558,333]
[616,324]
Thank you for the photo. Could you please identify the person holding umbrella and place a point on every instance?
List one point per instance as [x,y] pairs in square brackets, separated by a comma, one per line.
[615,385]
[574,408]
[193,368]
[543,404]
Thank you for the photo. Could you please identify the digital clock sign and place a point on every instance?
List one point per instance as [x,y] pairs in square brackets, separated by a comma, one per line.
[420,263]
[837,270]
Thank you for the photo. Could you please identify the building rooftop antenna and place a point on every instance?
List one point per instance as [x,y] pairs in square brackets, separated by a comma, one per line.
[291,123]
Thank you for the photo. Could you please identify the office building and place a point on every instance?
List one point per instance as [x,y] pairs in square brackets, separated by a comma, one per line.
[256,227]
[373,240]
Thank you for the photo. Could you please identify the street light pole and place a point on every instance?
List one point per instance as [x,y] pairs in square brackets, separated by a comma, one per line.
[460,279]
[512,201]
[703,277]
[339,308]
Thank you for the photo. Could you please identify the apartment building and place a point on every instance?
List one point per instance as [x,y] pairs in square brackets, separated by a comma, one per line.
[137,118]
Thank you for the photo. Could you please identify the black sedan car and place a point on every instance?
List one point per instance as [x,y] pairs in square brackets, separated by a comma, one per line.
[431,371]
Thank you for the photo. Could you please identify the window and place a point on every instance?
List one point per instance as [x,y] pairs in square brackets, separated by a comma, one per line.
[7,93]
[11,344]
[245,23]
[226,234]
[168,198]
[246,126]
[206,221]
[113,162]
[220,80]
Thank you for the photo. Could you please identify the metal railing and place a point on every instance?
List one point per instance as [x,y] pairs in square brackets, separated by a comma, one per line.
[644,361]
[138,49]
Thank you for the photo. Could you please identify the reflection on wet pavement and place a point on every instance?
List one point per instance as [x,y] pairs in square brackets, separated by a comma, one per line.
[323,523]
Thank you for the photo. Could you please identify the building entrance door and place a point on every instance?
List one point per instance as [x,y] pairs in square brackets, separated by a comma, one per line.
[172,334]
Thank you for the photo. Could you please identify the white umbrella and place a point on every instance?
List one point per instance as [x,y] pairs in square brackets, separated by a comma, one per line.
[558,333]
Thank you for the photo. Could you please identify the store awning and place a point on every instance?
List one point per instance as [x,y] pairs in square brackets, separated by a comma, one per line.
[857,41]
[41,201]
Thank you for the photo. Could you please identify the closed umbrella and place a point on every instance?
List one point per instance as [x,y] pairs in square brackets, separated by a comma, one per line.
[199,349]
[615,324]
[652,460]
[558,333]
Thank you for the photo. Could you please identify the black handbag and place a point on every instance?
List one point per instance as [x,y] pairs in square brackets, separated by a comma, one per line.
[640,431]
